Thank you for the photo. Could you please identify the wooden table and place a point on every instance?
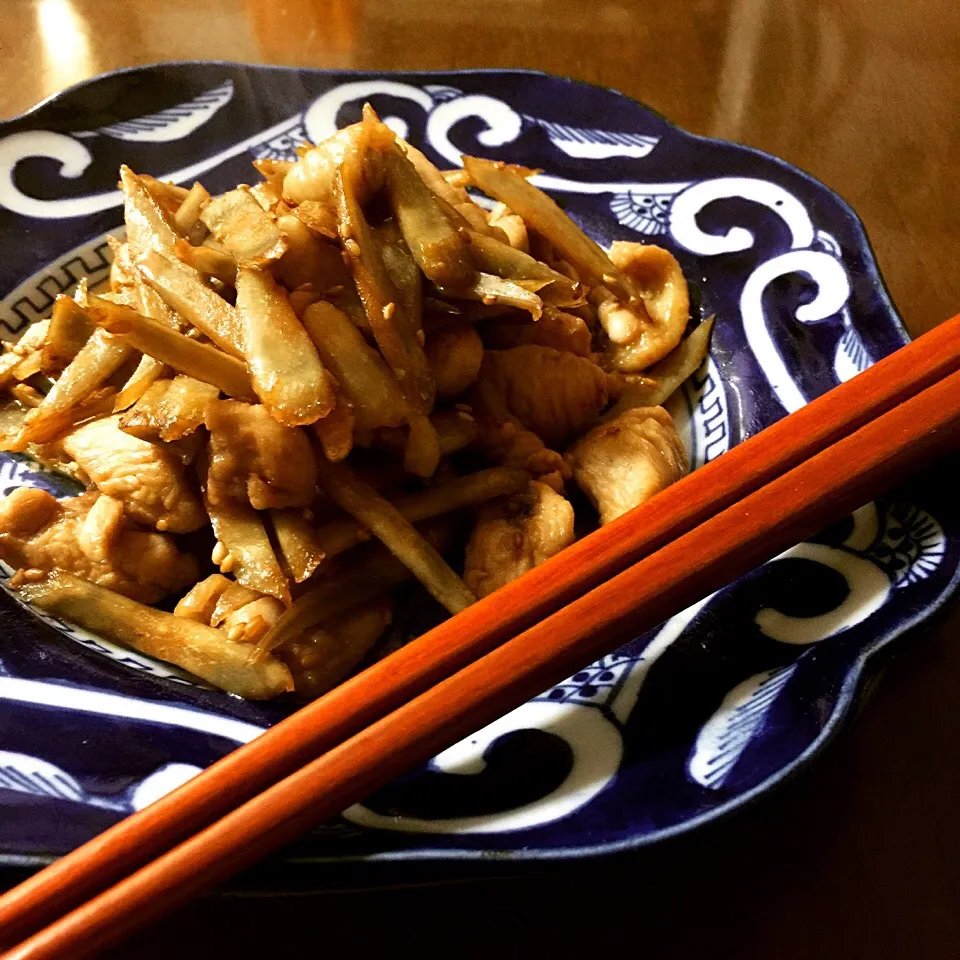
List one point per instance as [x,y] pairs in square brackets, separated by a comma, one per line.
[858,857]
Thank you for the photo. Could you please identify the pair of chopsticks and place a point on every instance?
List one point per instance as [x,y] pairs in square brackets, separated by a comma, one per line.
[761,497]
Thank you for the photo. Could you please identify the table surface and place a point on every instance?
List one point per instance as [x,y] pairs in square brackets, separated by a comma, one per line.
[861,855]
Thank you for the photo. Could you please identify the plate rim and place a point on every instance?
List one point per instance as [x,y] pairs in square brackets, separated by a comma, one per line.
[855,673]
[849,212]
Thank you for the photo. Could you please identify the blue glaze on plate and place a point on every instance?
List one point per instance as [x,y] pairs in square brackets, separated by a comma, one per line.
[680,726]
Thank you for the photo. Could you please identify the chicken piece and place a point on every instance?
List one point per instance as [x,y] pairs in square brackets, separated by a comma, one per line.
[504,439]
[101,527]
[322,656]
[555,394]
[454,356]
[147,478]
[310,179]
[625,461]
[255,459]
[514,534]
[38,532]
[641,333]
[27,510]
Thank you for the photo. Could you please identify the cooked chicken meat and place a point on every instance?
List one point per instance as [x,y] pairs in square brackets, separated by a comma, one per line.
[103,524]
[624,462]
[255,459]
[641,333]
[507,441]
[147,478]
[39,532]
[311,177]
[555,394]
[513,534]
[321,657]
[454,356]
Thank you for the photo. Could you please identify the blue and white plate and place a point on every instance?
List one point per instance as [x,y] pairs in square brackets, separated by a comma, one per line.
[680,726]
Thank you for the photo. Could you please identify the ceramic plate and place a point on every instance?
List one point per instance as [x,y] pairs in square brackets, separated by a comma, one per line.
[680,726]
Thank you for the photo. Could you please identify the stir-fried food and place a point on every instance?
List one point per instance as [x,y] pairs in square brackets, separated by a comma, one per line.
[89,536]
[147,478]
[513,534]
[302,396]
[555,395]
[624,462]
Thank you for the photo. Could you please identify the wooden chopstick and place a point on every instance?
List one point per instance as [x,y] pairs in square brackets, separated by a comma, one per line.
[481,628]
[729,544]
